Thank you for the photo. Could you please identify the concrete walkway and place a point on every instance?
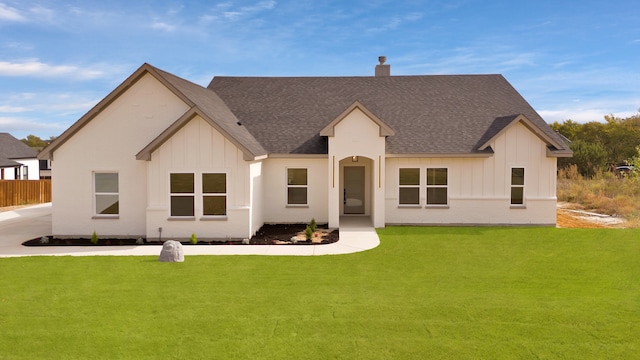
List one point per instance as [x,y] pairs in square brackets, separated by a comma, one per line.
[16,226]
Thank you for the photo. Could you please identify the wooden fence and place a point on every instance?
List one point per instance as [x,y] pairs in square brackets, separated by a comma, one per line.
[22,192]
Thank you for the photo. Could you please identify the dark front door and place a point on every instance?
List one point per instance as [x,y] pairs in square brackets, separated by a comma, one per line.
[353,193]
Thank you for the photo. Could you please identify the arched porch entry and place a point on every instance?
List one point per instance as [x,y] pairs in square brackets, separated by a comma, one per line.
[356,165]
[356,190]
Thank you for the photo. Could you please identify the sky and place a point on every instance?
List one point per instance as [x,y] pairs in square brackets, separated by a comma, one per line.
[570,59]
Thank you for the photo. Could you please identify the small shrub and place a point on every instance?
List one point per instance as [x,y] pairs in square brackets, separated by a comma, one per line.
[94,238]
[308,233]
[193,240]
[313,225]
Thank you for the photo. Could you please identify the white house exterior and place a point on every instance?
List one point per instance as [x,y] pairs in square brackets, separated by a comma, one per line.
[17,160]
[163,157]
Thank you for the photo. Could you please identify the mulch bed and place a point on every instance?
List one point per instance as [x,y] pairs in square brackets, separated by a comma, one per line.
[271,234]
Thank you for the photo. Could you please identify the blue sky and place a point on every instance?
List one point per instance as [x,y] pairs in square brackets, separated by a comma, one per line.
[570,59]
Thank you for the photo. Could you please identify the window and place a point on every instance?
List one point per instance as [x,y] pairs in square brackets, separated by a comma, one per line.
[214,194]
[182,194]
[25,172]
[517,186]
[107,196]
[437,186]
[296,186]
[409,191]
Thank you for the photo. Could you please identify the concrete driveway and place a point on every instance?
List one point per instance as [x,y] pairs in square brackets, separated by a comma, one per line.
[16,226]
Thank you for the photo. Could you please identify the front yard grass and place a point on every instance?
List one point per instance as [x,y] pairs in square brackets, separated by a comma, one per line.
[463,293]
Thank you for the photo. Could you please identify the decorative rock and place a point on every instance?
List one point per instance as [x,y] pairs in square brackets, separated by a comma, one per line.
[171,252]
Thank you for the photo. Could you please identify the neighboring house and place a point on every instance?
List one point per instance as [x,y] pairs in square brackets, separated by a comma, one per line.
[17,160]
[163,156]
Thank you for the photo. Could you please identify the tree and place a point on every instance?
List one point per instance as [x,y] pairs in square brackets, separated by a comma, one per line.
[34,141]
[590,157]
[617,137]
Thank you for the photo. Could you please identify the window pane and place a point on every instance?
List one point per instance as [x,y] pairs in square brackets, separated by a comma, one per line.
[182,183]
[517,195]
[437,176]
[214,183]
[409,176]
[517,176]
[297,176]
[437,196]
[182,206]
[297,195]
[107,205]
[106,182]
[215,205]
[410,196]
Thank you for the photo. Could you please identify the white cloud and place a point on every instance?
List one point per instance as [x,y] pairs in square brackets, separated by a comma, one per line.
[10,14]
[36,13]
[232,14]
[12,109]
[20,127]
[42,13]
[581,115]
[160,25]
[396,21]
[35,68]
[53,104]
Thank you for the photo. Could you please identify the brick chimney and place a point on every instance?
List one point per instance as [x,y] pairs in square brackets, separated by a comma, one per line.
[382,69]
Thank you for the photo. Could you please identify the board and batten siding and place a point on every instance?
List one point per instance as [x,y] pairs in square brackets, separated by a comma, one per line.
[199,148]
[109,143]
[275,209]
[479,189]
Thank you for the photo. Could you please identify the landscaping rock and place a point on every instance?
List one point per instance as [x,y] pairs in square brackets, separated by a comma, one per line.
[171,252]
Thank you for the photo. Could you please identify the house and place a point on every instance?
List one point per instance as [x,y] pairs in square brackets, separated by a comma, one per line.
[17,160]
[163,157]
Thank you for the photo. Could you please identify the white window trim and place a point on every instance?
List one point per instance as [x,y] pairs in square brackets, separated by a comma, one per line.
[171,194]
[511,185]
[427,186]
[419,186]
[287,186]
[198,197]
[204,217]
[95,194]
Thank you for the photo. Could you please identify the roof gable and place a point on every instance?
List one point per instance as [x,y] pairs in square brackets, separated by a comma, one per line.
[502,124]
[145,154]
[329,130]
[195,96]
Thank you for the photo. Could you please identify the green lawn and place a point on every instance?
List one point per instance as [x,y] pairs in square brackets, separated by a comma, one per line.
[438,293]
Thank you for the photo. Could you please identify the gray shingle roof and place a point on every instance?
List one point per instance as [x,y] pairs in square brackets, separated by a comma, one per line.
[433,114]
[211,105]
[4,163]
[12,148]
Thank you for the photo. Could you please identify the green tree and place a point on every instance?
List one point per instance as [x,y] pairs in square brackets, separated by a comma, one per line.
[590,157]
[34,141]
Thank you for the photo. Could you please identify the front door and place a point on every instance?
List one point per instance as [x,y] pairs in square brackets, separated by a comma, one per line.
[353,192]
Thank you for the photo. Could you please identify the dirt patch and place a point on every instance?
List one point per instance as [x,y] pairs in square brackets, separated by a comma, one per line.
[575,216]
[271,234]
